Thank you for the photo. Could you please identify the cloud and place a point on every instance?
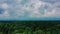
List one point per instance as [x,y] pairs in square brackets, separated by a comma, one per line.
[5,6]
[5,15]
[34,8]
[55,10]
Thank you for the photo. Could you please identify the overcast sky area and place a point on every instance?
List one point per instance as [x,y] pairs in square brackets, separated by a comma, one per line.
[29,9]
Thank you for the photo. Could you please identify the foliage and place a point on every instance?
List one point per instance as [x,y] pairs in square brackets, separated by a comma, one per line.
[20,27]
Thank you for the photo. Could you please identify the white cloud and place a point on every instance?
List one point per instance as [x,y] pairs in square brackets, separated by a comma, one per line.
[55,12]
[6,14]
[56,5]
[33,11]
[18,8]
[49,13]
[5,6]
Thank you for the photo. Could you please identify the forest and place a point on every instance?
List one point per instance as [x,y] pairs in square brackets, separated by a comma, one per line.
[29,27]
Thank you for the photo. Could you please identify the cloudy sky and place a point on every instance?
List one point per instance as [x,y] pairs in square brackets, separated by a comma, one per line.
[29,9]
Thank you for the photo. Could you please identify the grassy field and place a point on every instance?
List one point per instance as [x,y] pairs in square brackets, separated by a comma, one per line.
[29,27]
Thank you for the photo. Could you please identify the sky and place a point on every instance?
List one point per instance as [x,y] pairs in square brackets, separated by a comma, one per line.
[29,9]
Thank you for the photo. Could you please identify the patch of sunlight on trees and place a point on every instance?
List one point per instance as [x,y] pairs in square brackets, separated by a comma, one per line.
[0,32]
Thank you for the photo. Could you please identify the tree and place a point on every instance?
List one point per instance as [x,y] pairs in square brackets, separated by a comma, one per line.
[7,28]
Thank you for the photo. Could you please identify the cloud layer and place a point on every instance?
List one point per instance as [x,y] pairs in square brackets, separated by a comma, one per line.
[30,8]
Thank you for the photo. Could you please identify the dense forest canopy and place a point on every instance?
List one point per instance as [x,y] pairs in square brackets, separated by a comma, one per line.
[29,27]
